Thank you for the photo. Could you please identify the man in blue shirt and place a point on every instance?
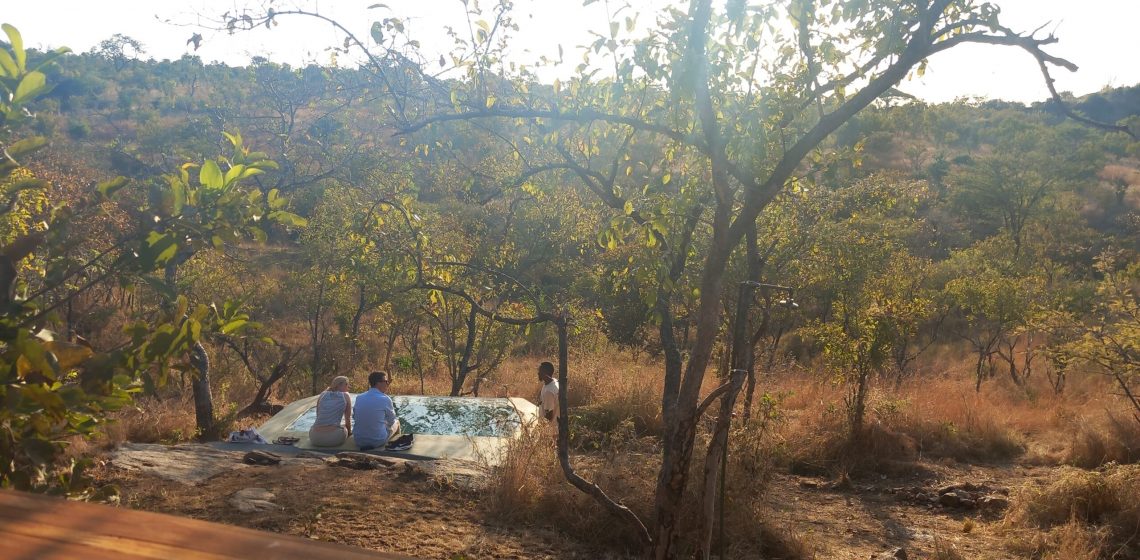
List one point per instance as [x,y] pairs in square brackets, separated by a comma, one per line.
[374,416]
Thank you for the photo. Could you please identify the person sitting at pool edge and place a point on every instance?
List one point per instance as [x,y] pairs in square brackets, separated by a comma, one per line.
[375,415]
[332,404]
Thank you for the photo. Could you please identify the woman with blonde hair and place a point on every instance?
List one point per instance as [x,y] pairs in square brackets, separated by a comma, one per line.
[332,404]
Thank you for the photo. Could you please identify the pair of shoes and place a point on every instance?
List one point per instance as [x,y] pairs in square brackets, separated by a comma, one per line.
[402,443]
[286,440]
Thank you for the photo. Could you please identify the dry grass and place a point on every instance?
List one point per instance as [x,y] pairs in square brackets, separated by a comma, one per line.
[945,551]
[1075,541]
[753,460]
[947,420]
[529,487]
[1112,439]
[1085,514]
[152,420]
[520,482]
[934,419]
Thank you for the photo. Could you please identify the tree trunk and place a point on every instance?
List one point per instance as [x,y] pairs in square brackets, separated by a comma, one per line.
[203,401]
[315,336]
[718,445]
[199,360]
[749,393]
[978,371]
[465,358]
[393,331]
[679,436]
[859,404]
[260,403]
[357,317]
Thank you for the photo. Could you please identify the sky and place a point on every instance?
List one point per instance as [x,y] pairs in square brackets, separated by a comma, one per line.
[1100,36]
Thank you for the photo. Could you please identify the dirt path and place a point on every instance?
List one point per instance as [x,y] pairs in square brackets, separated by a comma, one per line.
[877,514]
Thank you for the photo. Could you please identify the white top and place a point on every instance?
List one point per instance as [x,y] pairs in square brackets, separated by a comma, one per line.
[548,400]
[330,408]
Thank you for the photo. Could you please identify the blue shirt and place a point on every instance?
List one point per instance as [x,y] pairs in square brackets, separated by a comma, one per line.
[373,418]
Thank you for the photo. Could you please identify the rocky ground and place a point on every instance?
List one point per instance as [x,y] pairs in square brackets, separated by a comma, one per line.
[431,510]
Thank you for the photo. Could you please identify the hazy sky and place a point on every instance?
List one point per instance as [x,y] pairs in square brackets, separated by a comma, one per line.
[1100,36]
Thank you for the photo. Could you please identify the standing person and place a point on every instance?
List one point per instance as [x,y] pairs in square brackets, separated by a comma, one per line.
[375,414]
[333,404]
[548,397]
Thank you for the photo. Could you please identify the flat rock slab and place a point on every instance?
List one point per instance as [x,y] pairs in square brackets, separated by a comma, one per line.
[250,500]
[193,463]
[189,463]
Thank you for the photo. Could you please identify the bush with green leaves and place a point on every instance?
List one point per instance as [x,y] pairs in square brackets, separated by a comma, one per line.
[53,389]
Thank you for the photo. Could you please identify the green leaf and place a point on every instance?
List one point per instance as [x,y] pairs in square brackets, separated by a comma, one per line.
[234,139]
[233,174]
[68,355]
[108,187]
[195,330]
[26,146]
[31,85]
[287,218]
[8,65]
[178,195]
[233,326]
[158,249]
[33,358]
[17,43]
[377,32]
[666,178]
[210,175]
[484,25]
[275,200]
[490,101]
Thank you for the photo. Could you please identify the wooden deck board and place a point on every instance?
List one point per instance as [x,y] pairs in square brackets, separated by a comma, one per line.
[37,526]
[20,547]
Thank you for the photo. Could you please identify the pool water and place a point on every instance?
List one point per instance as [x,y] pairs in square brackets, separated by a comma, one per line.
[446,416]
